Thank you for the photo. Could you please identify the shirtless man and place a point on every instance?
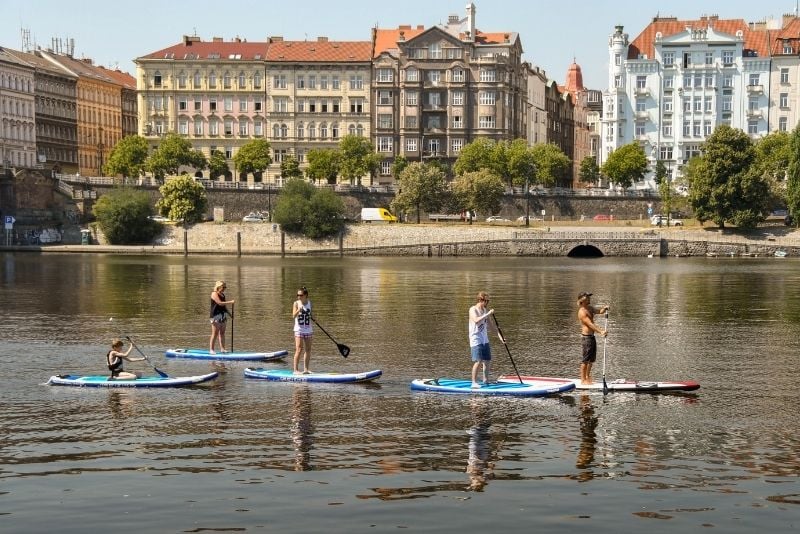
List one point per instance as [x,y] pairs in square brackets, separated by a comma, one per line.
[586,318]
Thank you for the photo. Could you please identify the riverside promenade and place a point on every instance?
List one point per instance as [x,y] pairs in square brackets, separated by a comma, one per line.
[621,238]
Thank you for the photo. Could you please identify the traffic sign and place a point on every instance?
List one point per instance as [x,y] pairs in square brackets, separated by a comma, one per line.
[10,220]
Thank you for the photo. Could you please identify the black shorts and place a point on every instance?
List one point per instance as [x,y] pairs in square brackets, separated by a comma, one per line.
[589,349]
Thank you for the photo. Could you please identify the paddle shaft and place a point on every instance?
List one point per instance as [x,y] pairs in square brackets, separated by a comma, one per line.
[344,350]
[503,338]
[157,370]
[231,314]
[605,341]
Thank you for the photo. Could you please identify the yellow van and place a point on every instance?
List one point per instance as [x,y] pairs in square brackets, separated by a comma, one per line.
[376,215]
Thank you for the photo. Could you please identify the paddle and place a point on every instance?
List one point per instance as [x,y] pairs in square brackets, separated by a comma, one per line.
[605,340]
[157,370]
[231,314]
[503,338]
[344,350]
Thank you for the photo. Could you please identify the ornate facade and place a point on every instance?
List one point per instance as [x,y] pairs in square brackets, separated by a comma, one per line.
[17,112]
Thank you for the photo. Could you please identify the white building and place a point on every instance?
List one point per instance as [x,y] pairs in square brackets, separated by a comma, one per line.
[677,81]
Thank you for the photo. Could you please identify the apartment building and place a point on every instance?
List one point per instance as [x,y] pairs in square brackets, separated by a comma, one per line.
[784,105]
[671,86]
[436,89]
[536,126]
[17,112]
[581,133]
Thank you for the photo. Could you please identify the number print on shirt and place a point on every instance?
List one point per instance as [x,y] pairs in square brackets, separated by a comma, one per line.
[304,317]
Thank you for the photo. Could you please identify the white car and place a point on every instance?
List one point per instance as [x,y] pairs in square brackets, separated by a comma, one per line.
[158,218]
[661,220]
[496,218]
[521,219]
[255,217]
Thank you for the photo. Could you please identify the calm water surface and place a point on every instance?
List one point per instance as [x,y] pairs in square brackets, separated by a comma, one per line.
[254,456]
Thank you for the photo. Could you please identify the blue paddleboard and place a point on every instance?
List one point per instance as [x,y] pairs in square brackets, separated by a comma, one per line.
[200,354]
[286,375]
[104,381]
[450,385]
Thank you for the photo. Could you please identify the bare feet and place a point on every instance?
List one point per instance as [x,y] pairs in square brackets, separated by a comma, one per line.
[297,372]
[307,372]
[475,385]
[211,351]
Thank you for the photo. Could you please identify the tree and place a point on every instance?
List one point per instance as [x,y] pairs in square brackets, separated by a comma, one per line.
[356,157]
[253,157]
[793,176]
[626,165]
[173,153]
[323,164]
[552,165]
[520,163]
[423,186]
[312,212]
[128,157]
[664,187]
[183,199]
[481,191]
[399,165]
[290,168]
[217,164]
[478,155]
[122,215]
[589,172]
[725,184]
[773,153]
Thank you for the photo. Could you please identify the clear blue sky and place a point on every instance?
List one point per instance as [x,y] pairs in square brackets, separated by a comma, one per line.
[552,33]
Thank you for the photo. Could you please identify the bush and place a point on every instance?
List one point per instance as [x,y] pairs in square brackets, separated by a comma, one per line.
[122,216]
[304,209]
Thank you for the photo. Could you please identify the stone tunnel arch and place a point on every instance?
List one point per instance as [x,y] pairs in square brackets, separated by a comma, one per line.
[585,251]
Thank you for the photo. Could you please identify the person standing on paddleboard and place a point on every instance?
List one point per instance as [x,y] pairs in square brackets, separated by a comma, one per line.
[481,353]
[588,328]
[218,314]
[303,331]
[115,358]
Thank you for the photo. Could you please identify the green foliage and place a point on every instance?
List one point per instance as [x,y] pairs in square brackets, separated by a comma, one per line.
[773,153]
[173,153]
[217,164]
[183,199]
[514,162]
[253,157]
[626,165]
[793,175]
[128,157]
[589,172]
[357,157]
[423,186]
[399,165]
[122,215]
[660,173]
[481,191]
[304,209]
[552,165]
[725,184]
[290,168]
[478,155]
[323,165]
[520,163]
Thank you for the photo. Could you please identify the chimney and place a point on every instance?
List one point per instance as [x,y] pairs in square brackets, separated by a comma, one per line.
[452,19]
[189,39]
[276,39]
[217,40]
[787,19]
[322,39]
[471,21]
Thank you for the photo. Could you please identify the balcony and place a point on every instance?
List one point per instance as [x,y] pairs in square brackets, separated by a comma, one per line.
[642,91]
[755,89]
[643,115]
[754,113]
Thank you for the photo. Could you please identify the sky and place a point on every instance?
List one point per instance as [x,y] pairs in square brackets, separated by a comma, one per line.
[552,33]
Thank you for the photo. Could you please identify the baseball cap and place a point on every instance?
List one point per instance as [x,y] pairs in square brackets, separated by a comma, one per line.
[584,294]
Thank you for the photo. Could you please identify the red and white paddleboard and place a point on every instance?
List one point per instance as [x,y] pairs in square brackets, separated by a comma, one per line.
[621,385]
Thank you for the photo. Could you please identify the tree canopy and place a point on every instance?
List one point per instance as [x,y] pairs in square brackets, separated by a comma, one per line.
[306,210]
[589,172]
[481,191]
[793,176]
[626,165]
[323,165]
[552,165]
[128,157]
[183,199]
[253,157]
[290,168]
[217,164]
[122,215]
[422,186]
[172,153]
[357,158]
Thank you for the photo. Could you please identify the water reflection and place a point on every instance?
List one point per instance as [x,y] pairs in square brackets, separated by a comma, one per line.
[586,450]
[120,404]
[480,468]
[302,427]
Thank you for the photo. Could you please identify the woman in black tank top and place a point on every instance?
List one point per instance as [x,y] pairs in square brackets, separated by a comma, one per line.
[217,313]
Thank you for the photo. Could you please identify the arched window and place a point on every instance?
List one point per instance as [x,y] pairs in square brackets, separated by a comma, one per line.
[182,80]
[300,130]
[242,81]
[212,80]
[323,130]
[284,131]
[197,80]
[257,80]
[351,130]
[226,81]
[360,131]
[335,131]
[312,131]
[276,130]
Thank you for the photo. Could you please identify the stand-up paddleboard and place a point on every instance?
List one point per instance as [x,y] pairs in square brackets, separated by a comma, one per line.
[200,354]
[104,381]
[533,389]
[621,385]
[286,375]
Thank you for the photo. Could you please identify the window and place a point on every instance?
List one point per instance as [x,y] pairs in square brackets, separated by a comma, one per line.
[488,75]
[709,80]
[727,103]
[784,75]
[639,129]
[669,59]
[228,127]
[198,127]
[242,81]
[356,105]
[198,105]
[787,48]
[641,105]
[243,105]
[385,144]
[258,128]
[433,76]
[456,145]
[458,75]
[312,131]
[708,104]
[668,105]
[687,82]
[666,129]
[696,128]
[727,57]
[411,98]
[335,105]
[752,103]
[433,122]
[257,80]
[385,120]
[228,103]
[687,104]
[411,121]
[228,152]
[666,152]
[384,98]
[617,81]
[258,105]
[687,129]
[183,104]
[300,105]
[753,79]
[157,79]
[276,130]
[386,167]
[182,80]
[280,104]
[411,144]
[458,98]
[458,122]
[335,82]
[412,75]
[708,128]
[669,82]
[486,122]
[641,82]
[356,81]
[752,127]
[323,130]
[698,104]
[301,130]
[300,82]
[323,82]
[212,104]
[435,51]
[226,81]
[782,124]
[433,146]
[385,75]
[197,80]
[487,98]
[783,100]
[727,81]
[183,127]
[312,81]
[617,59]
[709,58]
[698,80]
[243,128]
[279,81]
[213,127]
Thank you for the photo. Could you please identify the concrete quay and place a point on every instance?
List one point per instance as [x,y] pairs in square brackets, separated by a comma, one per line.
[630,239]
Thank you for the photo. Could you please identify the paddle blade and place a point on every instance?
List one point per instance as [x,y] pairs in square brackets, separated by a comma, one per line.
[160,372]
[344,350]
[605,386]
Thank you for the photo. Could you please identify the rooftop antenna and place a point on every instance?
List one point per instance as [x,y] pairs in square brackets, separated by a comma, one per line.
[25,34]
[194,29]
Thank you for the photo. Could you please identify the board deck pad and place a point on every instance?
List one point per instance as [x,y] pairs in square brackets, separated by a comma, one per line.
[201,354]
[286,375]
[621,384]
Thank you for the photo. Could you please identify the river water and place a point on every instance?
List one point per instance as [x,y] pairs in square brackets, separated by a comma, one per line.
[254,456]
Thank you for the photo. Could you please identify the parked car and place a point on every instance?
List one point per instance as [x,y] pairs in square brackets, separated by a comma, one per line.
[255,216]
[661,220]
[496,218]
[158,218]
[603,217]
[521,219]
